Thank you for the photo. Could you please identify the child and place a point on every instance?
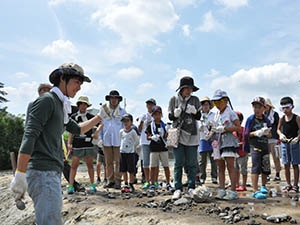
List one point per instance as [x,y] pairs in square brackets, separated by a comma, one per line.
[129,142]
[97,141]
[205,148]
[256,134]
[226,122]
[241,162]
[287,130]
[156,133]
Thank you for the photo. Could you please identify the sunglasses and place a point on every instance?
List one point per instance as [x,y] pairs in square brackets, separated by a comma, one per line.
[285,108]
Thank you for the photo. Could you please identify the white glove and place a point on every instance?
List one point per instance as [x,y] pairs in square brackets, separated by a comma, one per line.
[19,185]
[201,127]
[190,109]
[155,137]
[100,143]
[294,141]
[282,137]
[177,112]
[259,133]
[143,118]
[95,140]
[220,129]
[266,130]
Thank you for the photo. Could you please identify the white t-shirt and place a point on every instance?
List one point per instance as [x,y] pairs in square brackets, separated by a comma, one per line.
[147,119]
[129,141]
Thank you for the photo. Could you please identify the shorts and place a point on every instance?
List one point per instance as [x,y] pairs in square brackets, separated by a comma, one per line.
[290,153]
[84,152]
[127,162]
[146,155]
[229,152]
[163,157]
[100,157]
[241,164]
[260,162]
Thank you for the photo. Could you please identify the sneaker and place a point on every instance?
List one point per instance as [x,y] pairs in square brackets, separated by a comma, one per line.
[78,187]
[202,181]
[109,185]
[70,189]
[263,190]
[146,185]
[156,184]
[231,195]
[152,189]
[131,188]
[190,192]
[221,194]
[277,178]
[117,185]
[125,189]
[241,188]
[98,180]
[105,181]
[93,187]
[169,187]
[176,194]
[259,195]
[214,180]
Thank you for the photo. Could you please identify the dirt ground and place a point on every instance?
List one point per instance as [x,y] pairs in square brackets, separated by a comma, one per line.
[112,207]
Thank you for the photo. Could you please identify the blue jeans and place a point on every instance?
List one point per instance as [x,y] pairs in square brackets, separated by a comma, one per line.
[185,156]
[44,187]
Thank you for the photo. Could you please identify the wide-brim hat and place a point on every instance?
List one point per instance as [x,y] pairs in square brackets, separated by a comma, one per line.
[83,99]
[219,94]
[187,82]
[269,103]
[206,99]
[68,69]
[113,94]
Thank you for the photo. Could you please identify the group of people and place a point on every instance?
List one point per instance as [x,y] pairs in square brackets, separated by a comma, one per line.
[203,135]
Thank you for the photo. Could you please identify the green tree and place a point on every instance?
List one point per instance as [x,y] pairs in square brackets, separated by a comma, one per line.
[2,93]
[11,132]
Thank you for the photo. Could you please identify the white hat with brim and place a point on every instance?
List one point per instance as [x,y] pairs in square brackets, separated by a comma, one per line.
[219,94]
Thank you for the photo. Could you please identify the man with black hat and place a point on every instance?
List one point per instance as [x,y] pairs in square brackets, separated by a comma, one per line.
[40,160]
[81,145]
[112,115]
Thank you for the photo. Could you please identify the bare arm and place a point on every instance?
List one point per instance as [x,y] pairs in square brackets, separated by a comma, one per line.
[89,124]
[22,162]
[298,123]
[279,126]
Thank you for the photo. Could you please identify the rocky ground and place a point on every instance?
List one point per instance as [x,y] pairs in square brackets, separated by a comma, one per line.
[112,207]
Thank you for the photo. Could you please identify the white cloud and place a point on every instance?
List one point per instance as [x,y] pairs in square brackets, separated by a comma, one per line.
[232,4]
[186,30]
[21,75]
[143,88]
[185,3]
[210,24]
[137,21]
[212,73]
[61,49]
[130,73]
[174,84]
[273,81]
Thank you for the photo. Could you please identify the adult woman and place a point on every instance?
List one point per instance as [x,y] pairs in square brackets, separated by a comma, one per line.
[184,111]
[226,121]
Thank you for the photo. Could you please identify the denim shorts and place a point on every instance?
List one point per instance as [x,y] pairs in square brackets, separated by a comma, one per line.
[44,188]
[260,162]
[146,156]
[84,152]
[290,153]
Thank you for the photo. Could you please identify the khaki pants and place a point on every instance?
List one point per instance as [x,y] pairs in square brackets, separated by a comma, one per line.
[112,160]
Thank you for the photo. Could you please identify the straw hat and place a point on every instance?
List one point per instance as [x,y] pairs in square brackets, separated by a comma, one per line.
[269,103]
[83,99]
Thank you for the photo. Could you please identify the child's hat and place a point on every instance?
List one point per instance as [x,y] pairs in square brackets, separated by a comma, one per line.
[151,100]
[269,103]
[259,100]
[219,94]
[156,109]
[127,116]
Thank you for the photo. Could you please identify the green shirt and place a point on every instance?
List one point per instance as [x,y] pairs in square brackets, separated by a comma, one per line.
[42,138]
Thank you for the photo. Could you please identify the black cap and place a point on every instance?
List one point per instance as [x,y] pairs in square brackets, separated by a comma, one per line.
[127,116]
[151,100]
[113,94]
[156,108]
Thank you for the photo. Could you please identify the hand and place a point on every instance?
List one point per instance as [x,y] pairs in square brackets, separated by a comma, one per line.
[282,137]
[177,112]
[294,141]
[19,185]
[100,143]
[155,137]
[266,130]
[190,109]
[95,140]
[220,129]
[259,133]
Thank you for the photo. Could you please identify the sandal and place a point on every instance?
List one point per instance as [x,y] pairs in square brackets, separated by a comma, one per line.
[294,189]
[286,189]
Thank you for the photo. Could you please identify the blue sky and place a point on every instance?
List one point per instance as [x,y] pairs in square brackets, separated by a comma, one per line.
[143,48]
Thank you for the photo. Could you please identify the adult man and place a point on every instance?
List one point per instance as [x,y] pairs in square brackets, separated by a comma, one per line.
[81,145]
[112,114]
[41,148]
